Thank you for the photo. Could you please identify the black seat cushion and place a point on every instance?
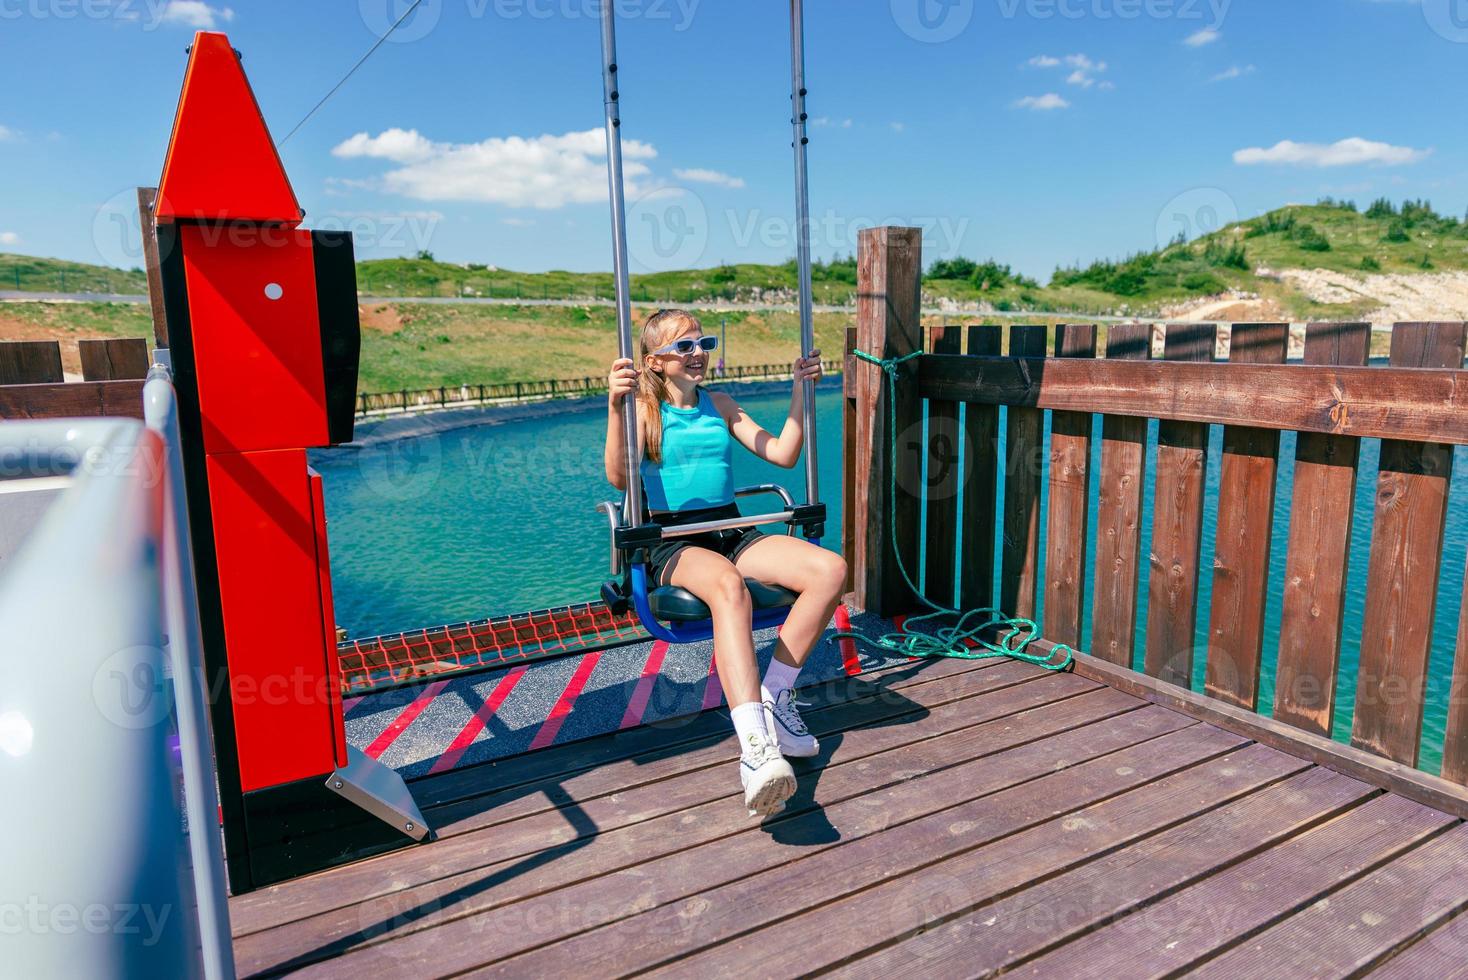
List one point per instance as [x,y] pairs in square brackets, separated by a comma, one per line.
[673,604]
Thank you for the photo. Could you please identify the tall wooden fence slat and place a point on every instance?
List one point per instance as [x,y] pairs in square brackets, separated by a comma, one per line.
[114,360]
[848,453]
[1024,438]
[1402,577]
[1322,509]
[30,362]
[1119,512]
[1246,482]
[888,325]
[1455,746]
[1177,523]
[943,482]
[981,485]
[1070,495]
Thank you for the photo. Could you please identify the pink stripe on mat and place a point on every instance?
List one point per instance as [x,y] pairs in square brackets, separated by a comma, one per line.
[470,731]
[381,743]
[552,726]
[643,692]
[713,691]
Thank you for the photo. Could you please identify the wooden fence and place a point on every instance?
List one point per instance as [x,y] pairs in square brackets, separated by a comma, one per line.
[33,385]
[1417,405]
[446,396]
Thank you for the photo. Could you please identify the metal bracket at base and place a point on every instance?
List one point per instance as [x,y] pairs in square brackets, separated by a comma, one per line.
[380,791]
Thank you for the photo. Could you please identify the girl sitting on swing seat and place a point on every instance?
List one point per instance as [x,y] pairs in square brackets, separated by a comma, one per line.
[685,443]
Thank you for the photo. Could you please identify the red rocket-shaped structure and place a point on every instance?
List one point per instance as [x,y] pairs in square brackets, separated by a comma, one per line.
[264,342]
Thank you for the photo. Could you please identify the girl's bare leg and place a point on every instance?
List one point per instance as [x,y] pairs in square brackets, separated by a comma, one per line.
[715,580]
[810,570]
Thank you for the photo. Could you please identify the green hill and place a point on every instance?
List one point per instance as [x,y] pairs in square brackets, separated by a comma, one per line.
[32,274]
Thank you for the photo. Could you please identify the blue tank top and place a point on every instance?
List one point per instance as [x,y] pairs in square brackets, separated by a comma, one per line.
[695,471]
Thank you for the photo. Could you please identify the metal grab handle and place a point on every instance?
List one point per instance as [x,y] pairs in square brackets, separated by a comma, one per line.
[614,511]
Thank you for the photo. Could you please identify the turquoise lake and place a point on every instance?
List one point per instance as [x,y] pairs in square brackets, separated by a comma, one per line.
[501,518]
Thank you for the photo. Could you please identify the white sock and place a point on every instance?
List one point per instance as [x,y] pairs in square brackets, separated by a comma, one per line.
[749,718]
[779,677]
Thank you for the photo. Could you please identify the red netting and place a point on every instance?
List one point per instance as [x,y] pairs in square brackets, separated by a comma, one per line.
[381,661]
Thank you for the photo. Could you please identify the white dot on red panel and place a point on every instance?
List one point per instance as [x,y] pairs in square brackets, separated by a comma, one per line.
[273,291]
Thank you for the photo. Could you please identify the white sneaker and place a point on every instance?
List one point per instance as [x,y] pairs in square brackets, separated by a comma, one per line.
[795,739]
[768,779]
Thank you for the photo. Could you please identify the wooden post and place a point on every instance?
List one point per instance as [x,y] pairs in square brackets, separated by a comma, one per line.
[1024,441]
[1119,512]
[114,360]
[944,482]
[1177,522]
[30,362]
[1321,514]
[1070,497]
[149,229]
[848,456]
[1245,519]
[888,325]
[1455,746]
[1406,559]
[981,485]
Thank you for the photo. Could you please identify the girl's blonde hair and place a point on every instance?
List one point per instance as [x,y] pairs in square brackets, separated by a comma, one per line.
[652,386]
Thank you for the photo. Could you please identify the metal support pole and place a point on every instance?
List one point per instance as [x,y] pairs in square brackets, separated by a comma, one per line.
[610,99]
[802,238]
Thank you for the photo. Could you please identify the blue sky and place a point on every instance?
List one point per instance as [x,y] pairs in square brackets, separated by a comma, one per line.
[1035,131]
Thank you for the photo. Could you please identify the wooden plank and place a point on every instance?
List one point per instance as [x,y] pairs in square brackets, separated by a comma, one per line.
[999,936]
[634,828]
[1394,776]
[1322,511]
[1362,923]
[944,483]
[1455,746]
[1245,521]
[1163,938]
[981,485]
[981,866]
[83,399]
[1177,523]
[114,360]
[1024,442]
[507,792]
[1440,955]
[1406,551]
[888,325]
[467,934]
[1368,402]
[30,362]
[1119,512]
[151,264]
[1069,507]
[848,470]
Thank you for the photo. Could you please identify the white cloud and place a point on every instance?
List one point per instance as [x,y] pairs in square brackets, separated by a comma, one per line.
[537,172]
[1345,153]
[1042,103]
[195,13]
[1232,72]
[898,127]
[828,121]
[517,222]
[1083,72]
[8,135]
[698,175]
[9,238]
[1199,38]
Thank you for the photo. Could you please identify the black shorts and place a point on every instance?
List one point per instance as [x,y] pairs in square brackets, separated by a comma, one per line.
[730,542]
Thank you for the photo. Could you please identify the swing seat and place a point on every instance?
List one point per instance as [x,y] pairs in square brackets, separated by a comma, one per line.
[678,605]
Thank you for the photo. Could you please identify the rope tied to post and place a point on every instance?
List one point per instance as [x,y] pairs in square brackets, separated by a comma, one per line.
[964,638]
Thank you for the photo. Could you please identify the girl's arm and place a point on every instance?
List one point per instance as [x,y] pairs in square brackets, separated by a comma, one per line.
[621,383]
[782,450]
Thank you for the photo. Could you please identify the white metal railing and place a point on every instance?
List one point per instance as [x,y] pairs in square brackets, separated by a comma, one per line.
[111,851]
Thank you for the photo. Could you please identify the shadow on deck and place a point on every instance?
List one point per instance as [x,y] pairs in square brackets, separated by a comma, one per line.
[962,818]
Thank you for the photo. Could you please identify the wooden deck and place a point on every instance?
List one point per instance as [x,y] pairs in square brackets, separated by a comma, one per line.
[962,819]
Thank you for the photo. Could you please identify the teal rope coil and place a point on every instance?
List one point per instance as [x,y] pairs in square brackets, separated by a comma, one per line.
[961,639]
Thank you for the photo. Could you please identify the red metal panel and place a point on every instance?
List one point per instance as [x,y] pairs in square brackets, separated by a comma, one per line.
[328,618]
[222,164]
[270,591]
[258,358]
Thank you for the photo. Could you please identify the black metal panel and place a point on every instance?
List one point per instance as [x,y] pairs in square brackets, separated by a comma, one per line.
[341,330]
